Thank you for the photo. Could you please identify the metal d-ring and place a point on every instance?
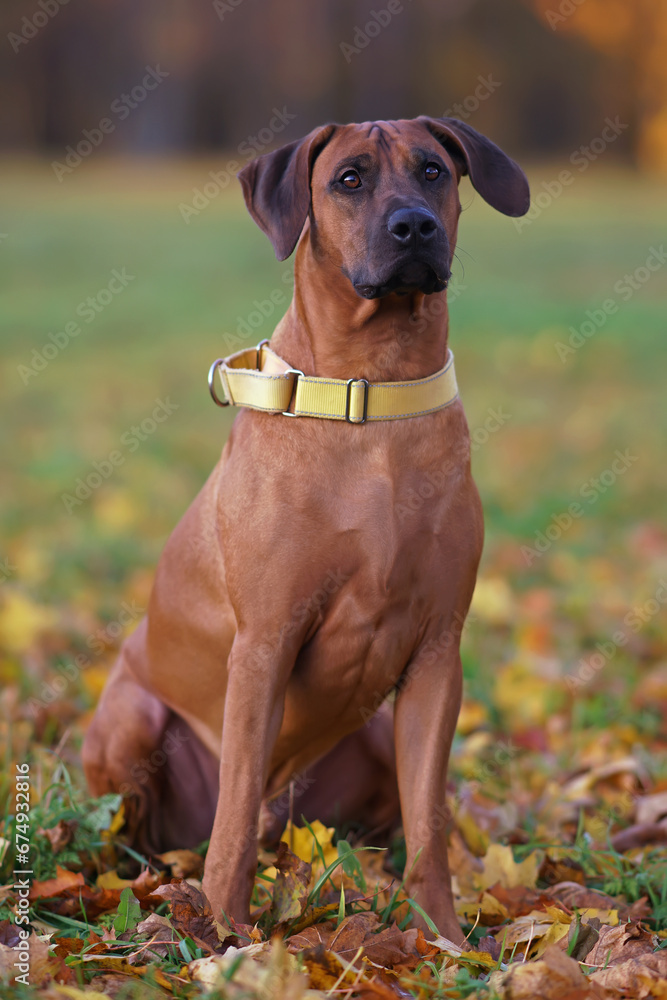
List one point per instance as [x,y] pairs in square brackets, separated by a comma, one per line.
[211,383]
[297,372]
[258,349]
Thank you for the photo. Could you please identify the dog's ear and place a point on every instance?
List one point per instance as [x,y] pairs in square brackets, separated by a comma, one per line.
[276,188]
[500,181]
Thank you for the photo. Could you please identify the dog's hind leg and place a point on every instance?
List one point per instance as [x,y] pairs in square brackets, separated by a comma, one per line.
[137,746]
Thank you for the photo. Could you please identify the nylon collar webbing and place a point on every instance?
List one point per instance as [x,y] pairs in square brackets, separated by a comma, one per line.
[259,379]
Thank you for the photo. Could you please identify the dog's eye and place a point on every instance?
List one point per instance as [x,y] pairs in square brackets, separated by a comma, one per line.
[351,179]
[431,171]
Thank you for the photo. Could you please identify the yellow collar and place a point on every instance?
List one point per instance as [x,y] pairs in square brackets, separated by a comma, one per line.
[259,379]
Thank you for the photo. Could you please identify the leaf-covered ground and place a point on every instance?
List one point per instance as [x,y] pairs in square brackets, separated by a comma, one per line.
[557,797]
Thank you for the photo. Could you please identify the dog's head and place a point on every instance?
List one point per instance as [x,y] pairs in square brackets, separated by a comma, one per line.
[381,197]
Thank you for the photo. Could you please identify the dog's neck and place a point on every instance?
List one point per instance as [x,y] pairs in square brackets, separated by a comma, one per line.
[329,330]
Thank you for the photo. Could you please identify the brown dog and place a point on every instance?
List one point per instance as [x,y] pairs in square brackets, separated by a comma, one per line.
[242,675]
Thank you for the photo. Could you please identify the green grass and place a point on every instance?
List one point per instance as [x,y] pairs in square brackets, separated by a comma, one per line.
[193,283]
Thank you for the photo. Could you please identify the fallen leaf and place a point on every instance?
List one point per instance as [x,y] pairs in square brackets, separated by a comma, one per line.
[183,864]
[304,844]
[59,836]
[639,835]
[63,882]
[290,891]
[554,977]
[500,868]
[639,978]
[191,913]
[617,944]
[554,870]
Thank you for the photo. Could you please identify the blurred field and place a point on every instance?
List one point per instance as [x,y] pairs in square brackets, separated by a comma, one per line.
[73,580]
[193,283]
[520,291]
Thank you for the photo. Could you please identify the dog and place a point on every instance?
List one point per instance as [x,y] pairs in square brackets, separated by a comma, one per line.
[302,585]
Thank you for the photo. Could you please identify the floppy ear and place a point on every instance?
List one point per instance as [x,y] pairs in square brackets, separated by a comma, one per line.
[276,188]
[500,181]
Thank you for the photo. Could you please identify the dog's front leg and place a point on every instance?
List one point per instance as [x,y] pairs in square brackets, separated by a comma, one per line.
[426,711]
[254,702]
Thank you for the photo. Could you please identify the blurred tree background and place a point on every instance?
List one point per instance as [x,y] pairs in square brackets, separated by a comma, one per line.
[559,67]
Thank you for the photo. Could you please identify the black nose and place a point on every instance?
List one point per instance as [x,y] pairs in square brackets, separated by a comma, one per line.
[411,225]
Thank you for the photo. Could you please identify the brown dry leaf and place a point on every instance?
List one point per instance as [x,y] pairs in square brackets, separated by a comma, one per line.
[183,864]
[59,836]
[41,966]
[65,946]
[651,808]
[639,835]
[315,936]
[156,929]
[555,870]
[114,984]
[351,933]
[554,977]
[520,900]
[146,883]
[69,901]
[582,938]
[63,882]
[325,970]
[578,897]
[617,944]
[290,892]
[639,978]
[581,784]
[387,946]
[191,914]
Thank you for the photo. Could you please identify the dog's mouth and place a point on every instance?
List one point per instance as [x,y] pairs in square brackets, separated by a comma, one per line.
[415,276]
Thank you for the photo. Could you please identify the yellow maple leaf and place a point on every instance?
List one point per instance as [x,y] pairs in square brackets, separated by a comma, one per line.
[22,621]
[522,694]
[492,601]
[301,842]
[500,867]
[111,880]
